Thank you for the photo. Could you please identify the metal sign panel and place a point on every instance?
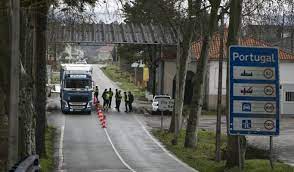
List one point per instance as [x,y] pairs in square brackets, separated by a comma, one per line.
[254,91]
[166,104]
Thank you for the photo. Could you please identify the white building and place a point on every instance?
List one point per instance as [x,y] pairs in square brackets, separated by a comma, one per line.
[168,69]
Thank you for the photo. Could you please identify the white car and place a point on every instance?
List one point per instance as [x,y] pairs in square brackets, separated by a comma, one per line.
[155,102]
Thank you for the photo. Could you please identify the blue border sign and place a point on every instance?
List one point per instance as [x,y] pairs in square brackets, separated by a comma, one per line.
[254,105]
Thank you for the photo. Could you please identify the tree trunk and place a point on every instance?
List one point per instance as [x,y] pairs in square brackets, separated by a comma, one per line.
[234,27]
[152,69]
[292,41]
[199,81]
[27,118]
[172,124]
[13,139]
[40,18]
[183,56]
[219,92]
[4,83]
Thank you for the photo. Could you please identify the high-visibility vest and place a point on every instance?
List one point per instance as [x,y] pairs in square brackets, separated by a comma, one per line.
[107,96]
[110,93]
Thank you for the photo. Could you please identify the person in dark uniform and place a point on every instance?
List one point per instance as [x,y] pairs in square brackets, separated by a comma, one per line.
[110,97]
[115,96]
[126,98]
[96,93]
[118,99]
[104,98]
[131,100]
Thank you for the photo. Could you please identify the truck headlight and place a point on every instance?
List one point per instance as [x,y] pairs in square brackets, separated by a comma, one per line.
[65,104]
[89,105]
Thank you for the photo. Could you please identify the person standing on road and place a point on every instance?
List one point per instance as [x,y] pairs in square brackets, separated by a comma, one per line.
[110,97]
[126,98]
[96,93]
[104,97]
[115,96]
[107,100]
[118,100]
[131,100]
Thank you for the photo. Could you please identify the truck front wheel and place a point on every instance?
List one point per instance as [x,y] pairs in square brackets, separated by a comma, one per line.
[64,112]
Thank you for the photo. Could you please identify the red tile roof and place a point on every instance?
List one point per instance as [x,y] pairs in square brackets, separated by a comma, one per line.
[215,46]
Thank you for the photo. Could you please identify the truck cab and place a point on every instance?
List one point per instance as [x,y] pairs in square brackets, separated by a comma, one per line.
[76,88]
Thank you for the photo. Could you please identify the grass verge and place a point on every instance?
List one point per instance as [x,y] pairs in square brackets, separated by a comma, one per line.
[115,74]
[202,158]
[47,162]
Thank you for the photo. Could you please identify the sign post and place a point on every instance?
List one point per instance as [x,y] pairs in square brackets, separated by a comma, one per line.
[271,152]
[254,106]
[165,105]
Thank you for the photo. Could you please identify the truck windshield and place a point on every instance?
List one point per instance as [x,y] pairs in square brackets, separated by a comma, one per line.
[77,83]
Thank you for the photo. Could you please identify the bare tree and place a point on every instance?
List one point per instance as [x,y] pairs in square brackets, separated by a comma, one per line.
[14,83]
[199,79]
[183,56]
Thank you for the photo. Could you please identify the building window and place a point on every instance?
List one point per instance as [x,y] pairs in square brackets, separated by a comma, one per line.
[289,96]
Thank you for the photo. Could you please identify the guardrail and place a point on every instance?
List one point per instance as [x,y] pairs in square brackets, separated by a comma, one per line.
[30,164]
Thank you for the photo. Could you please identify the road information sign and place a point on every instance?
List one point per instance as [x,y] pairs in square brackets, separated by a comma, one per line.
[166,104]
[254,91]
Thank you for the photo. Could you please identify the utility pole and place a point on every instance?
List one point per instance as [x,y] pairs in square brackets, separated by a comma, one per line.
[219,91]
[154,54]
[14,83]
[292,30]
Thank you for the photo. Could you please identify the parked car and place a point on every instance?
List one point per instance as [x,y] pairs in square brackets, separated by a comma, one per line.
[155,102]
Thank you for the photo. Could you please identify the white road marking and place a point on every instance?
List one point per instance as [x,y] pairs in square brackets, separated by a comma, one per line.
[116,152]
[162,147]
[60,154]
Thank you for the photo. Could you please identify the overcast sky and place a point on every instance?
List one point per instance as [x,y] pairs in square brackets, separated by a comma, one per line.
[109,11]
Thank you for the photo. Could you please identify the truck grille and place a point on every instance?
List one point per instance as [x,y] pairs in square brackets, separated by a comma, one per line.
[78,98]
[78,107]
[77,103]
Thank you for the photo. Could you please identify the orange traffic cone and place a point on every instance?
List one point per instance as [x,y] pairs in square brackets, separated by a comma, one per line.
[104,123]
[101,118]
[100,114]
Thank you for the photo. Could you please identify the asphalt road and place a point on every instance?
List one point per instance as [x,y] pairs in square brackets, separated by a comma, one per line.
[125,145]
